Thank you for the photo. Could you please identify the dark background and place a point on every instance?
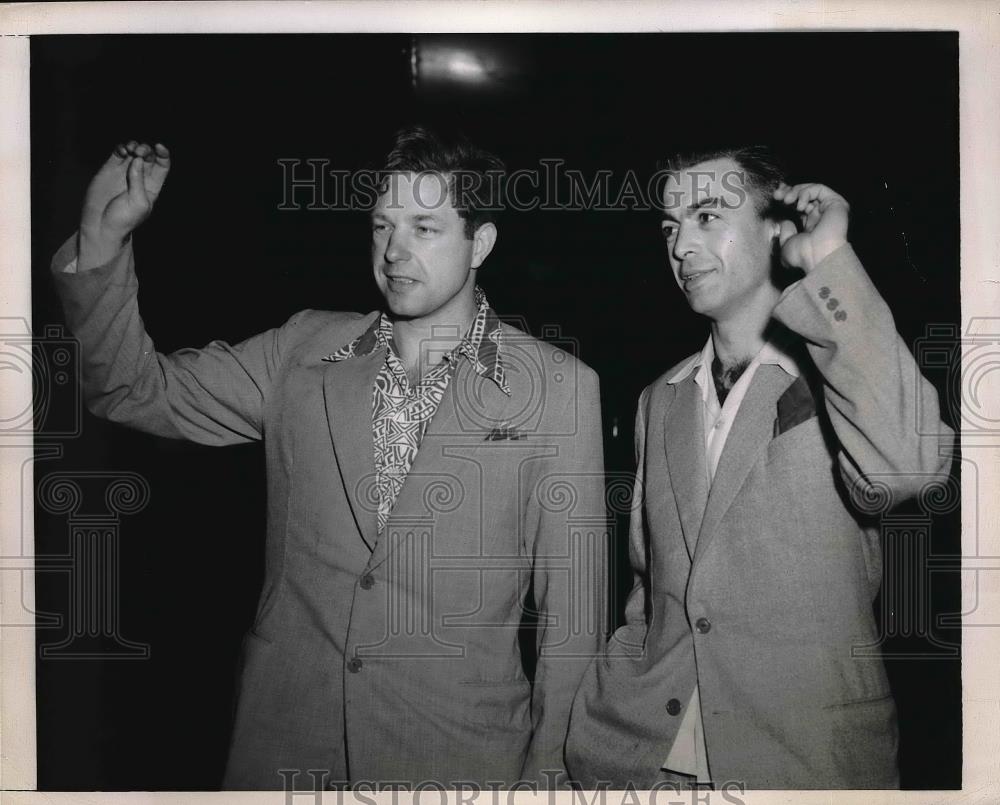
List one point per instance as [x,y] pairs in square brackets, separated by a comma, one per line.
[873,115]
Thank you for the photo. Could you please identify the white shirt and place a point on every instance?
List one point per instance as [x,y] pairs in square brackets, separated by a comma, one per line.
[688,754]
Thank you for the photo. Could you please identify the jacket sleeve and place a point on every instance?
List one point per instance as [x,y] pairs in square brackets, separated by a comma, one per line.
[884,412]
[213,396]
[569,576]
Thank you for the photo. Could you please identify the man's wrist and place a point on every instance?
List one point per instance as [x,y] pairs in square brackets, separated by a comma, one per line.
[96,246]
[823,250]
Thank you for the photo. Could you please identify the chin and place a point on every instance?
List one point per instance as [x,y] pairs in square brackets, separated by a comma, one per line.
[402,311]
[405,308]
[700,305]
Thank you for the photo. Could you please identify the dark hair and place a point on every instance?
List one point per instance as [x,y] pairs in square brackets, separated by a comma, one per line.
[475,175]
[763,170]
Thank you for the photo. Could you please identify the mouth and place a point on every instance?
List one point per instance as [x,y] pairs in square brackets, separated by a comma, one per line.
[691,279]
[399,283]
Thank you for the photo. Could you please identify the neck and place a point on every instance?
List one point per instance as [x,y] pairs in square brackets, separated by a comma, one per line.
[422,341]
[740,335]
[735,344]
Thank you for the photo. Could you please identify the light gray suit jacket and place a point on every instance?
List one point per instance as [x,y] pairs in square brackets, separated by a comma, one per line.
[394,656]
[759,587]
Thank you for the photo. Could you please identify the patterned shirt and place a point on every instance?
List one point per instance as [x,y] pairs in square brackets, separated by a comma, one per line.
[401,412]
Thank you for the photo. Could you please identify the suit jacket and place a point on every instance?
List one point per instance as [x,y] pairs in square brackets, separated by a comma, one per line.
[394,656]
[759,587]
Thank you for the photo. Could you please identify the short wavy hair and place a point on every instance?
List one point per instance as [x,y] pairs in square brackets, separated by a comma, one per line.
[762,168]
[475,175]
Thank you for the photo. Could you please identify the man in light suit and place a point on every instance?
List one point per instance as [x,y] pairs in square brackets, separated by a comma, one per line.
[433,475]
[755,562]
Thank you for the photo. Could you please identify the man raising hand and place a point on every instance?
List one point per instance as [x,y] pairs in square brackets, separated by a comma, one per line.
[755,567]
[120,197]
[412,457]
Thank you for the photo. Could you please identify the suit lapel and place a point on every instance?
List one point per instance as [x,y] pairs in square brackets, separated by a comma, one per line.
[347,392]
[684,441]
[752,429]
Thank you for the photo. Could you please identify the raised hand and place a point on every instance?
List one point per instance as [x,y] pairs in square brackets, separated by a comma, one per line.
[823,215]
[119,198]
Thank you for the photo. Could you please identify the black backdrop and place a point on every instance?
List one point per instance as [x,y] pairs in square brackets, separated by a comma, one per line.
[873,115]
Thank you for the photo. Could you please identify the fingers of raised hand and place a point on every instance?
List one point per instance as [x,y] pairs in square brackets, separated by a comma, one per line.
[161,154]
[136,182]
[123,153]
[798,196]
[781,192]
[804,196]
[135,168]
[156,173]
[787,230]
[144,163]
[133,148]
[811,214]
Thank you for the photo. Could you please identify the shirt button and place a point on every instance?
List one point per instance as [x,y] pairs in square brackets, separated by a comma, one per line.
[673,707]
[354,665]
[367,581]
[824,292]
[703,625]
[719,424]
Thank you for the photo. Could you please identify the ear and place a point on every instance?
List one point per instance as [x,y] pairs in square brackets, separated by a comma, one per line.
[482,243]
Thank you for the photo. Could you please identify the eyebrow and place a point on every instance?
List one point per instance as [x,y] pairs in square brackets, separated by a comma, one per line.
[421,218]
[712,202]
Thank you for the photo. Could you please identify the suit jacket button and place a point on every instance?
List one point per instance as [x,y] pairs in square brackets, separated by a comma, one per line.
[354,665]
[673,707]
[703,625]
[367,581]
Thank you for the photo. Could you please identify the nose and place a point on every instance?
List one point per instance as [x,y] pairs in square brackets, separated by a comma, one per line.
[396,250]
[686,242]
